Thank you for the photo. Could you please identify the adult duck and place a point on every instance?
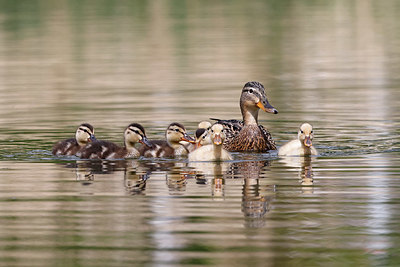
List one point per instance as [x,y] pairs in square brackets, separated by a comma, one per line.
[248,135]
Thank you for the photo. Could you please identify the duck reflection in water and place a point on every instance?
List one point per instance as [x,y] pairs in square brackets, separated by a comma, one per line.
[135,177]
[306,174]
[256,194]
[213,173]
[176,178]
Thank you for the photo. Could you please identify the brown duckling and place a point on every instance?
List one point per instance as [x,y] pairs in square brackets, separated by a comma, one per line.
[174,145]
[213,152]
[302,145]
[248,135]
[133,134]
[84,134]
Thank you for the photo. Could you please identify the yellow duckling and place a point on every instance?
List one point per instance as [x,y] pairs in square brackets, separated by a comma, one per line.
[302,146]
[202,136]
[84,134]
[248,135]
[174,145]
[133,134]
[213,152]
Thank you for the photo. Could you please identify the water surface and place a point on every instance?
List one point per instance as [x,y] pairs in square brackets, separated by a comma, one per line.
[334,64]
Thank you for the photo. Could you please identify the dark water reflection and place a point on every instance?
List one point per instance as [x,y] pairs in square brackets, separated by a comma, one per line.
[332,63]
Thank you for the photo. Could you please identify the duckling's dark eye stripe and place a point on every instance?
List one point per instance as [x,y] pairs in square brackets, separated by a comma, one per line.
[136,131]
[86,131]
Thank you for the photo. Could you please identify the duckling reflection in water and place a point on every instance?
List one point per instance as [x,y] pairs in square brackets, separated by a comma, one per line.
[133,134]
[302,146]
[248,135]
[174,145]
[135,178]
[213,152]
[84,135]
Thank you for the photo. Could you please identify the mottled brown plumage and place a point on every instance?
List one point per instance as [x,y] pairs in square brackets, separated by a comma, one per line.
[133,134]
[248,135]
[84,134]
[174,145]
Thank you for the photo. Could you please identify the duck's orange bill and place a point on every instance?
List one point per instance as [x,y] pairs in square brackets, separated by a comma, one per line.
[267,107]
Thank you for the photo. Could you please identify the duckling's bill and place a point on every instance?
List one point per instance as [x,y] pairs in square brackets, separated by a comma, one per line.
[188,138]
[145,141]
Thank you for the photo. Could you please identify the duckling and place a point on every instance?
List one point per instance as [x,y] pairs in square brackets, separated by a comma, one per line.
[213,152]
[133,134]
[174,145]
[202,136]
[248,135]
[84,134]
[302,146]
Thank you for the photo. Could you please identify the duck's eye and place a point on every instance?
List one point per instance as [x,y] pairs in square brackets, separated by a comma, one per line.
[301,131]
[311,131]
[251,91]
[176,130]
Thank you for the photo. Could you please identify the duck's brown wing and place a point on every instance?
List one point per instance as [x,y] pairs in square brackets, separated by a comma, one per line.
[231,127]
[66,147]
[267,136]
[98,150]
[159,149]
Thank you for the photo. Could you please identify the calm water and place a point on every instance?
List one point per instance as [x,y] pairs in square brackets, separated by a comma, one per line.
[334,64]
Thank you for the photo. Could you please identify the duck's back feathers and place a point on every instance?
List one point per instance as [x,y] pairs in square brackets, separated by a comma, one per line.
[159,149]
[206,153]
[100,150]
[252,138]
[67,147]
[231,127]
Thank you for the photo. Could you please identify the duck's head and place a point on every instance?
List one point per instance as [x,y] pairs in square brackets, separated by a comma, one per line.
[305,134]
[204,125]
[84,134]
[176,134]
[203,134]
[253,98]
[217,134]
[135,133]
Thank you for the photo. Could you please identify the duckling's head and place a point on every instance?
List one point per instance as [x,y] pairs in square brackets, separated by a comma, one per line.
[253,98]
[176,133]
[305,134]
[203,134]
[204,125]
[217,134]
[135,133]
[84,134]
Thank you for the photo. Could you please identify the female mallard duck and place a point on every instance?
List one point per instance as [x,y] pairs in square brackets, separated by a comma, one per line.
[213,152]
[174,145]
[302,146]
[133,134]
[84,134]
[248,135]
